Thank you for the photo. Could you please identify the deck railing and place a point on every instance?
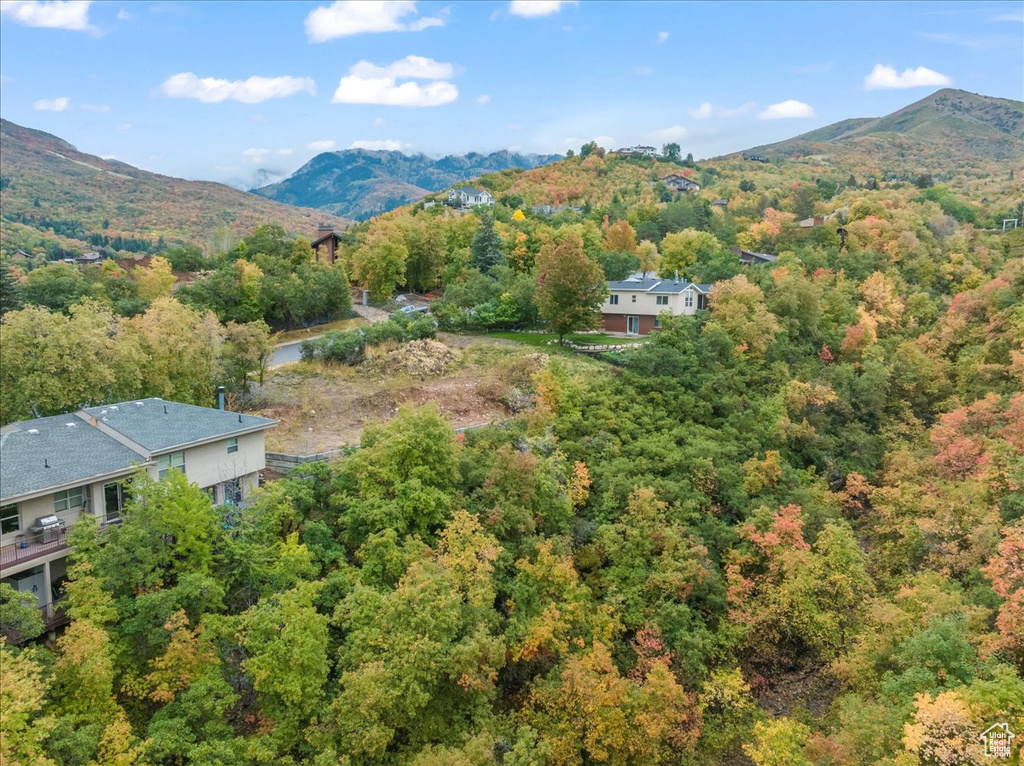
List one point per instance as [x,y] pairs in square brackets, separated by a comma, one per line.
[33,546]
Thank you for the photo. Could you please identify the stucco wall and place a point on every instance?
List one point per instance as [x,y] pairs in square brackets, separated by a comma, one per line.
[211,464]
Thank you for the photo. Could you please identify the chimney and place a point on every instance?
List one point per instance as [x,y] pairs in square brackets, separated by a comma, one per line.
[220,397]
[324,228]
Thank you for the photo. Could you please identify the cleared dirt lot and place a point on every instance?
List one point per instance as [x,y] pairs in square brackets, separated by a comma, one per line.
[325,406]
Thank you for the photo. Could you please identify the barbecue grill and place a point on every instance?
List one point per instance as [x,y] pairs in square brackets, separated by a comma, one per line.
[48,528]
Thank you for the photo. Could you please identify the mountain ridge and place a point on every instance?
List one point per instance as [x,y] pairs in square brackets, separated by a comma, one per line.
[54,192]
[948,123]
[359,183]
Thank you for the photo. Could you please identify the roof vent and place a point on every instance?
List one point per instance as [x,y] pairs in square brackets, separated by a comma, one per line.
[103,412]
[70,425]
[138,404]
[33,430]
[239,417]
[165,409]
[46,463]
[113,406]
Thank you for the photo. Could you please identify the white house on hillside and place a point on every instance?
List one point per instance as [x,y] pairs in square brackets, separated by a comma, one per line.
[635,305]
[469,197]
[680,183]
[55,469]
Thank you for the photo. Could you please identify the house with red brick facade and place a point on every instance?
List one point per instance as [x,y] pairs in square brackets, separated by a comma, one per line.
[635,305]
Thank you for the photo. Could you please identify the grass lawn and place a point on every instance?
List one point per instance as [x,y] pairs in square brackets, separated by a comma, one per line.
[290,336]
[542,338]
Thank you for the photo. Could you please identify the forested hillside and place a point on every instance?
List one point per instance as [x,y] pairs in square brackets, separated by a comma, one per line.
[54,196]
[787,530]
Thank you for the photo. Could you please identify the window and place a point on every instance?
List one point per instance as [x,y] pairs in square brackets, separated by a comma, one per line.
[10,519]
[661,300]
[211,492]
[232,445]
[657,323]
[613,300]
[688,301]
[68,499]
[172,460]
[634,299]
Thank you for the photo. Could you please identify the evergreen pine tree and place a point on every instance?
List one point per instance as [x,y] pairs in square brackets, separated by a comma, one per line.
[10,291]
[485,249]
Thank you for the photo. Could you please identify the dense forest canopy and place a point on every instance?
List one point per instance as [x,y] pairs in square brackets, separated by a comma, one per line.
[787,530]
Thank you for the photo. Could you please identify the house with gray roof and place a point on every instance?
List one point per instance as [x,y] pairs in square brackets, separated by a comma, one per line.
[467,196]
[56,469]
[635,305]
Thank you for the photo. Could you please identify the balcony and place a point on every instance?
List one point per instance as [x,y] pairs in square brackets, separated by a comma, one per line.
[31,547]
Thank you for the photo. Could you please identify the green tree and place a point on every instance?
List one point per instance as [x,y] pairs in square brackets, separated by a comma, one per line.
[57,286]
[570,287]
[10,290]
[670,152]
[681,250]
[183,347]
[402,478]
[380,262]
[52,363]
[486,250]
[155,280]
[247,349]
[618,266]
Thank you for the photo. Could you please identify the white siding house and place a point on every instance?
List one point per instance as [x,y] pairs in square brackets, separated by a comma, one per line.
[468,197]
[56,469]
[634,306]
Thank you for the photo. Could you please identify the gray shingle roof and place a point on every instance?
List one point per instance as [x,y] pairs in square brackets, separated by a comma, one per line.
[57,454]
[45,453]
[649,285]
[158,425]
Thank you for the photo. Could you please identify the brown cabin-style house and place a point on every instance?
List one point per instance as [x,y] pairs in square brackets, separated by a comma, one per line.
[325,246]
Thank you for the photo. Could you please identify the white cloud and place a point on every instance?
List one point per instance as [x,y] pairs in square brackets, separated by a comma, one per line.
[56,14]
[411,67]
[702,112]
[787,110]
[378,122]
[643,71]
[1018,16]
[52,104]
[124,126]
[285,152]
[885,77]
[662,36]
[606,142]
[707,110]
[534,8]
[673,133]
[123,15]
[386,145]
[256,155]
[573,142]
[321,146]
[367,83]
[100,108]
[483,99]
[355,17]
[251,91]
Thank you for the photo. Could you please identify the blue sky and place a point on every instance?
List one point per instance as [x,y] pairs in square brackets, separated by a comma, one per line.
[222,91]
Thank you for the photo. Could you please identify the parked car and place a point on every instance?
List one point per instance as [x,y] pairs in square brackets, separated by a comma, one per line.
[411,310]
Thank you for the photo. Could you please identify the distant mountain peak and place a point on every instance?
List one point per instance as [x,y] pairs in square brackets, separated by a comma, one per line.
[949,123]
[359,183]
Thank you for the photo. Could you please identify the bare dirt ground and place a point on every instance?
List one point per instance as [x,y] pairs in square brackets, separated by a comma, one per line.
[323,407]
